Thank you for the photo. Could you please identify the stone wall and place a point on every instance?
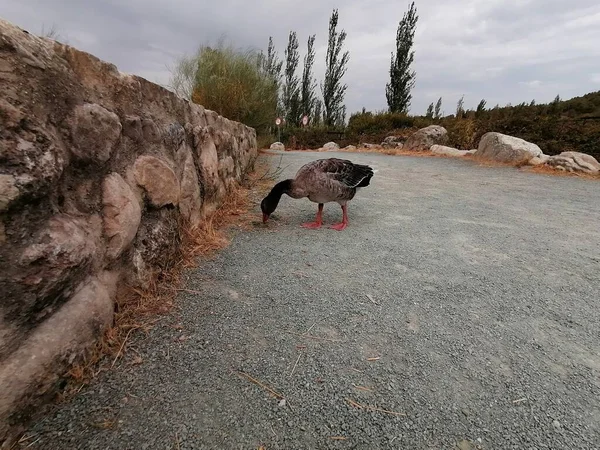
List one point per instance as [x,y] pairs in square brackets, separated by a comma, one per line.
[98,173]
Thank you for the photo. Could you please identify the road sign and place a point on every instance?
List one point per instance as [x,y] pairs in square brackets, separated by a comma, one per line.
[305,120]
[278,121]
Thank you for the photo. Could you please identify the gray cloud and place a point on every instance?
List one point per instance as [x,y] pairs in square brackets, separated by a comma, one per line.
[501,50]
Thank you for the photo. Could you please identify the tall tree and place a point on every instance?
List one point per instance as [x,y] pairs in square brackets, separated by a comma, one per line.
[271,64]
[402,77]
[335,68]
[460,107]
[481,106]
[309,85]
[429,112]
[438,109]
[291,86]
[318,115]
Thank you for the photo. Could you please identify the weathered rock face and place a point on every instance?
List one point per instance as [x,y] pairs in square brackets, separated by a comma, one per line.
[94,132]
[392,142]
[277,146]
[331,147]
[575,162]
[98,172]
[423,139]
[158,180]
[122,214]
[507,149]
[448,151]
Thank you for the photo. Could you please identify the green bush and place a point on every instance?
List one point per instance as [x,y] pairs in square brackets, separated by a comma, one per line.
[230,82]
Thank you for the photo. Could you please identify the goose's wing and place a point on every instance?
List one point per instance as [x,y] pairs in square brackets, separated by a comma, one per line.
[346,172]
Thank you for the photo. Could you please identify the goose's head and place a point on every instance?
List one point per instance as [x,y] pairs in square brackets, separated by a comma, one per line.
[267,206]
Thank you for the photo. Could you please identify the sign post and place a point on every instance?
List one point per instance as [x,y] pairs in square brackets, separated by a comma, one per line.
[278,123]
[305,121]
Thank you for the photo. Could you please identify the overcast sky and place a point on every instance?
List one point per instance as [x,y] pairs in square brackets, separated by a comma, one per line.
[506,51]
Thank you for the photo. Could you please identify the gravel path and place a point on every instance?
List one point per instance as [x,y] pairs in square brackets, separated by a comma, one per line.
[463,297]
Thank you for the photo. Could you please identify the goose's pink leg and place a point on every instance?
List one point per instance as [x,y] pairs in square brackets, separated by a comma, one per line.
[344,223]
[318,221]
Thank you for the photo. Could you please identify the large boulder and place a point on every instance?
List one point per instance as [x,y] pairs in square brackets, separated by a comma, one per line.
[331,147]
[392,142]
[423,139]
[448,151]
[95,132]
[277,146]
[122,214]
[575,162]
[158,180]
[506,149]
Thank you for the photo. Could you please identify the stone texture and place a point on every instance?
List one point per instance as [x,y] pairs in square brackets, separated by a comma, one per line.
[448,151]
[95,131]
[575,162]
[350,148]
[157,245]
[506,149]
[70,123]
[277,146]
[99,171]
[158,180]
[122,214]
[538,160]
[58,256]
[393,142]
[423,139]
[8,191]
[35,367]
[331,147]
[190,202]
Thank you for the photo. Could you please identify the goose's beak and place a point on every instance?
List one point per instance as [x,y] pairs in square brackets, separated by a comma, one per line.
[265,218]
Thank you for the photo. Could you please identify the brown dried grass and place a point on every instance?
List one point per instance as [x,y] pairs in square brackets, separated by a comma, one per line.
[138,309]
[541,169]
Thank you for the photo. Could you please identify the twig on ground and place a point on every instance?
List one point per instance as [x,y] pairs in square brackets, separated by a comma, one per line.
[338,438]
[520,400]
[294,368]
[122,346]
[370,297]
[311,327]
[262,385]
[377,358]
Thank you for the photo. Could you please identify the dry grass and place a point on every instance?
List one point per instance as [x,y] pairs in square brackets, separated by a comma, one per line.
[541,169]
[138,309]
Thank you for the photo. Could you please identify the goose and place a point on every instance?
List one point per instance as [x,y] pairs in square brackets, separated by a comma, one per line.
[321,181]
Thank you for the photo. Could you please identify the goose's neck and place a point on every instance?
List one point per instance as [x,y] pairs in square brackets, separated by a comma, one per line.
[283,187]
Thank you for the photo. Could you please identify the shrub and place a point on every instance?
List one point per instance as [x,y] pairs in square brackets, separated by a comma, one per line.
[231,82]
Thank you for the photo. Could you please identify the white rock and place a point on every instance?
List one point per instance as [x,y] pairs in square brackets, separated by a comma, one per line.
[539,160]
[507,149]
[575,162]
[423,139]
[392,142]
[331,147]
[448,151]
[277,146]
